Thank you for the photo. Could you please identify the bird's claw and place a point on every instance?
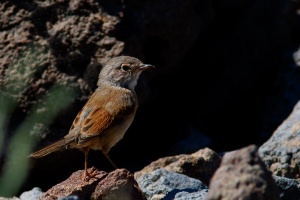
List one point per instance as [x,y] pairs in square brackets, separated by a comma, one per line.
[88,175]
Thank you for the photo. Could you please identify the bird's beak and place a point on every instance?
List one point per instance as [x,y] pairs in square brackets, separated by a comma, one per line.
[146,66]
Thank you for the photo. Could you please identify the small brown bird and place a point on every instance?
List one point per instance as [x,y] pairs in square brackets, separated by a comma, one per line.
[107,115]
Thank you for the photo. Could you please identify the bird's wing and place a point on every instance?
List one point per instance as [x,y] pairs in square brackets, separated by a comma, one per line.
[95,123]
[95,118]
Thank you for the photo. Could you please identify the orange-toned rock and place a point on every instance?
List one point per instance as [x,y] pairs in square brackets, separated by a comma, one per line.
[118,184]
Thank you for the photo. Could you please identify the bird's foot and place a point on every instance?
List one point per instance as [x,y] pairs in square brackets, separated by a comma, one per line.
[88,175]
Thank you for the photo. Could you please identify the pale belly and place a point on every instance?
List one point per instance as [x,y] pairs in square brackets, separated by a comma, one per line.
[108,139]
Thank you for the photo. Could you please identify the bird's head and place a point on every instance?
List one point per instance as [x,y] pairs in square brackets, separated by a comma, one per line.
[122,71]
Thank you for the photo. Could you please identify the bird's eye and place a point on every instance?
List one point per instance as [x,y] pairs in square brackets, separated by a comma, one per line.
[125,67]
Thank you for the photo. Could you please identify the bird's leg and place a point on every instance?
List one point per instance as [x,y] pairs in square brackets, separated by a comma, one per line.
[87,175]
[107,156]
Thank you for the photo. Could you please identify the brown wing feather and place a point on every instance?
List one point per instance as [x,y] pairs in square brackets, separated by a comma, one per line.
[95,118]
[102,119]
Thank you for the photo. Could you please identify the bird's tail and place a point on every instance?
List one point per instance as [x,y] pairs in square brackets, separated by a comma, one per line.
[58,145]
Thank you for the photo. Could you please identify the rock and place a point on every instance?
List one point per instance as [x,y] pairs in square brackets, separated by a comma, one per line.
[289,189]
[242,175]
[296,57]
[118,184]
[281,152]
[72,197]
[199,195]
[33,194]
[74,185]
[164,184]
[199,165]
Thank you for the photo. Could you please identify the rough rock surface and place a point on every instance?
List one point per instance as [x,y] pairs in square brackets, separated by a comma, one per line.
[163,184]
[242,175]
[289,189]
[33,194]
[199,165]
[118,184]
[199,195]
[281,152]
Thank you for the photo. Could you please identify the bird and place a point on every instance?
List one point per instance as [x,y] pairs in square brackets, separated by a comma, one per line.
[107,115]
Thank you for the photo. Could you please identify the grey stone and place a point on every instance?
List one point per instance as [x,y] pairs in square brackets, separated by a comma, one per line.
[289,189]
[33,194]
[281,152]
[200,165]
[200,195]
[164,184]
[71,197]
